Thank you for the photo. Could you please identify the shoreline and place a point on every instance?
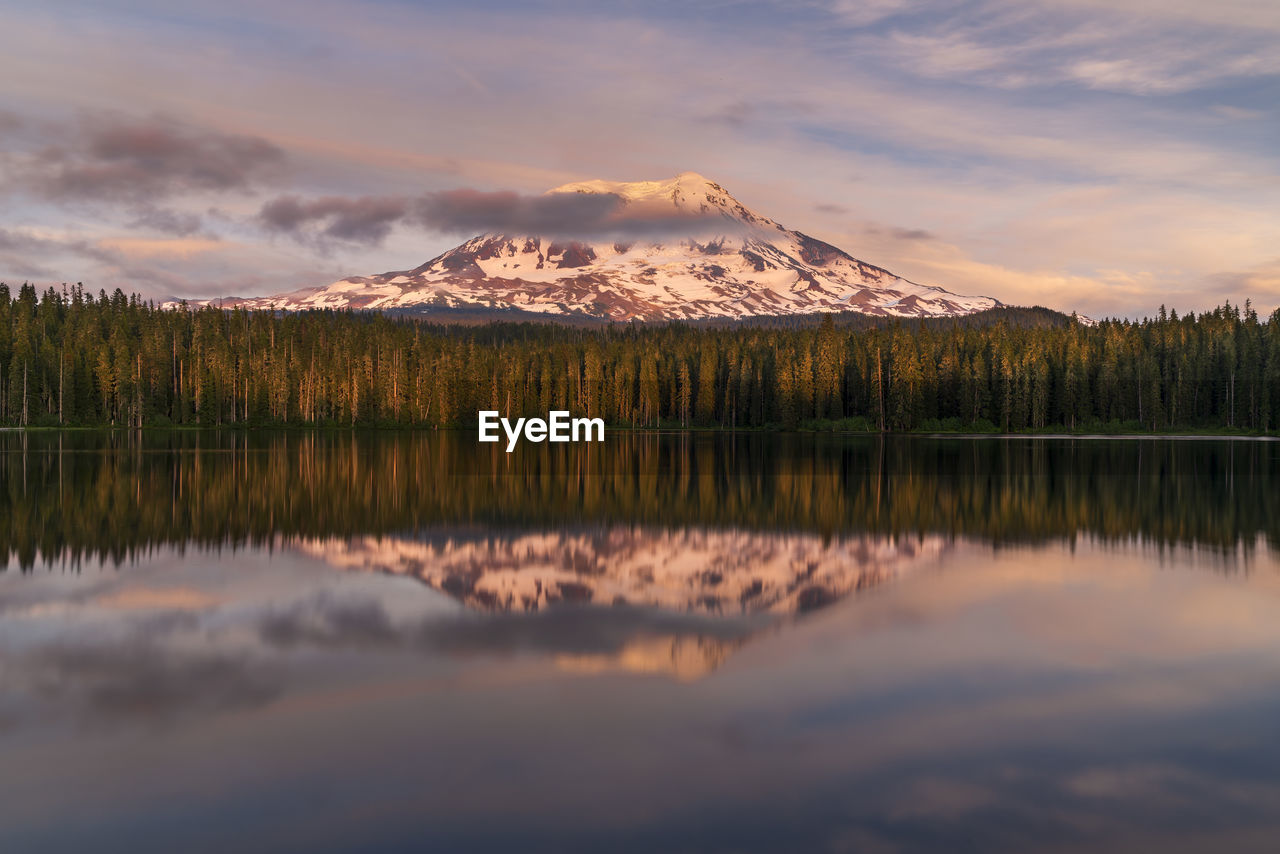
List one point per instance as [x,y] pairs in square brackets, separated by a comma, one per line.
[921,434]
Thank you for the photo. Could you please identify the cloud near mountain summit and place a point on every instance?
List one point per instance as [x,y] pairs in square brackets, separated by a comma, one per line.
[369,219]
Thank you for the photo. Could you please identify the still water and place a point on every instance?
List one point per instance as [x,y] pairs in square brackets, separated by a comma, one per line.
[392,641]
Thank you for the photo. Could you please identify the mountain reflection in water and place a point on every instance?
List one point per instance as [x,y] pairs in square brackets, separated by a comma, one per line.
[709,573]
[333,642]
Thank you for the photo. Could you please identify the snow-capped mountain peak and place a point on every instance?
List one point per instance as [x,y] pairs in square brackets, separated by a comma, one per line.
[683,248]
[677,190]
[688,194]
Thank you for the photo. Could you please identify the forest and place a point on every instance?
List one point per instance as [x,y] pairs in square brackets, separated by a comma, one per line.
[68,358]
[138,491]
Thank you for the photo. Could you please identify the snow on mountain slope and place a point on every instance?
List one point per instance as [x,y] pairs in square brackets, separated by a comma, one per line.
[710,572]
[726,585]
[680,249]
[713,578]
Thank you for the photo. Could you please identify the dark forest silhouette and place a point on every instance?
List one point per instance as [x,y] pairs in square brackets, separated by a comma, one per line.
[67,496]
[68,358]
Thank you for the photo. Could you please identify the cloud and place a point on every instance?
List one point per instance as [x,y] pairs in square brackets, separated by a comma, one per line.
[895,232]
[1128,47]
[327,622]
[19,240]
[735,115]
[139,680]
[1261,283]
[178,223]
[369,219]
[1240,114]
[324,621]
[862,13]
[168,267]
[18,254]
[150,265]
[142,247]
[968,118]
[911,234]
[18,249]
[1224,15]
[110,250]
[471,211]
[115,158]
[760,112]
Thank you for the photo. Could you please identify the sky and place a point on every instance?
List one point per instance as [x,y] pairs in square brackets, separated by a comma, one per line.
[1102,156]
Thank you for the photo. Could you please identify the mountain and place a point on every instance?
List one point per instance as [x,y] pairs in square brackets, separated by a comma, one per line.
[682,249]
[709,572]
[640,600]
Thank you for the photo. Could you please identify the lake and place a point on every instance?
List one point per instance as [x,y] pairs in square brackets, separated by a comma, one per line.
[295,641]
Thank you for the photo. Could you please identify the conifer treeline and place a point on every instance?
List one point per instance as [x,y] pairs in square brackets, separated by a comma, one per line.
[135,491]
[67,357]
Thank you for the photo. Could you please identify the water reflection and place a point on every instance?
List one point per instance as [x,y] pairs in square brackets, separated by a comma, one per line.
[688,571]
[731,575]
[308,642]
[72,496]
[1100,699]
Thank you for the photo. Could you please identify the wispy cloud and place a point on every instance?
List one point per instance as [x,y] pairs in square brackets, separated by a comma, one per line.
[862,13]
[180,223]
[116,158]
[468,212]
[1053,140]
[367,219]
[1129,47]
